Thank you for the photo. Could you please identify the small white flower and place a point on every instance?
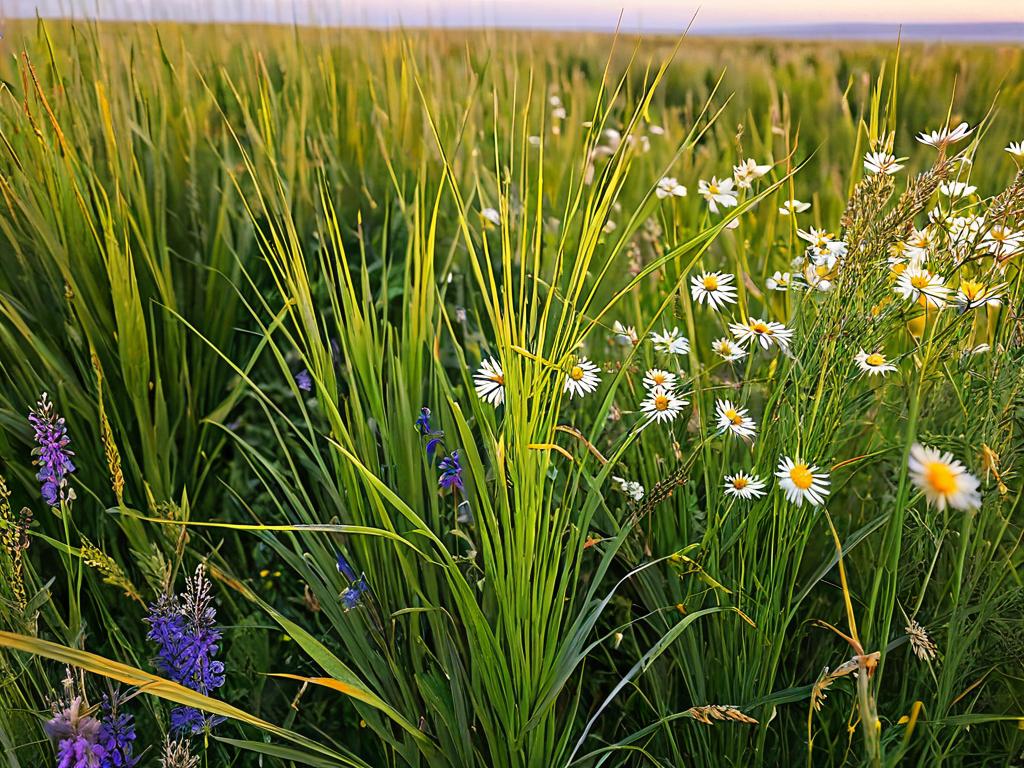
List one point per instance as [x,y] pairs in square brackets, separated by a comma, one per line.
[747,172]
[1016,150]
[873,364]
[793,206]
[1002,242]
[781,281]
[655,378]
[956,189]
[732,418]
[728,350]
[582,378]
[671,342]
[825,250]
[624,335]
[492,216]
[882,162]
[555,100]
[559,113]
[714,289]
[973,294]
[631,488]
[764,332]
[662,405]
[490,382]
[917,282]
[945,136]
[609,227]
[655,130]
[800,480]
[744,486]
[943,479]
[717,193]
[534,141]
[669,187]
[816,276]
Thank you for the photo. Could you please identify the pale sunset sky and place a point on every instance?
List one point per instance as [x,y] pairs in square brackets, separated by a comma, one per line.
[653,15]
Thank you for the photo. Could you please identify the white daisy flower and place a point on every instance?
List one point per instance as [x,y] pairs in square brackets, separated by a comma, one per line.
[945,136]
[671,342]
[780,281]
[747,172]
[744,486]
[943,479]
[624,335]
[973,294]
[582,378]
[1016,150]
[728,350]
[732,418]
[917,282]
[873,364]
[800,480]
[793,206]
[669,187]
[490,382]
[656,377]
[631,488]
[662,405]
[491,216]
[956,189]
[1001,241]
[816,276]
[717,193]
[764,332]
[825,249]
[713,288]
[882,162]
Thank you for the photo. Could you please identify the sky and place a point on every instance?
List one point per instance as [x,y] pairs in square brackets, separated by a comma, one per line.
[646,15]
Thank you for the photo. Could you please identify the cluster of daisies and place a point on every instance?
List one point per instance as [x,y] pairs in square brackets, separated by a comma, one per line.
[956,229]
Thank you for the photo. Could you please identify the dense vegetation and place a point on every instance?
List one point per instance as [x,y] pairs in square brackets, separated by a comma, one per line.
[240,262]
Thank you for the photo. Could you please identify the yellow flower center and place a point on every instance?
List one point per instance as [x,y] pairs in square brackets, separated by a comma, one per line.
[971,289]
[760,327]
[801,476]
[658,378]
[712,189]
[998,235]
[919,281]
[734,417]
[875,359]
[940,477]
[711,283]
[661,402]
[897,269]
[497,378]
[576,373]
[739,483]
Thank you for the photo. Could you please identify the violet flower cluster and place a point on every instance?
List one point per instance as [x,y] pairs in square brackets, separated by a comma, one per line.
[85,741]
[187,638]
[52,456]
[352,595]
[450,467]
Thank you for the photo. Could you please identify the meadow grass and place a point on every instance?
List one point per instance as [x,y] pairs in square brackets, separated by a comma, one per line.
[241,261]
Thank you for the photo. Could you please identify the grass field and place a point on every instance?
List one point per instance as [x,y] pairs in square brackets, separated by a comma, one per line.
[482,399]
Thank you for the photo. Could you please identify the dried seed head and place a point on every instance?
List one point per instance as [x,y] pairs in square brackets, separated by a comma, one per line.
[920,643]
[708,713]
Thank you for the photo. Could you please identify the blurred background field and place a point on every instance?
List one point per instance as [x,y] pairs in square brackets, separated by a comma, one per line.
[193,214]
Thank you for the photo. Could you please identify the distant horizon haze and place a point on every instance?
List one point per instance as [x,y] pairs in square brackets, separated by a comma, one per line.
[1001,20]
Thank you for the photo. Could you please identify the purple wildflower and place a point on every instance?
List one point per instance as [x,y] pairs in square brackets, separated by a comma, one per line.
[117,734]
[352,595]
[451,472]
[76,735]
[187,639]
[304,380]
[425,430]
[345,569]
[52,455]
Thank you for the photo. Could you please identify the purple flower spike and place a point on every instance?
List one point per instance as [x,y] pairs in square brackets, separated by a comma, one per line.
[52,454]
[451,472]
